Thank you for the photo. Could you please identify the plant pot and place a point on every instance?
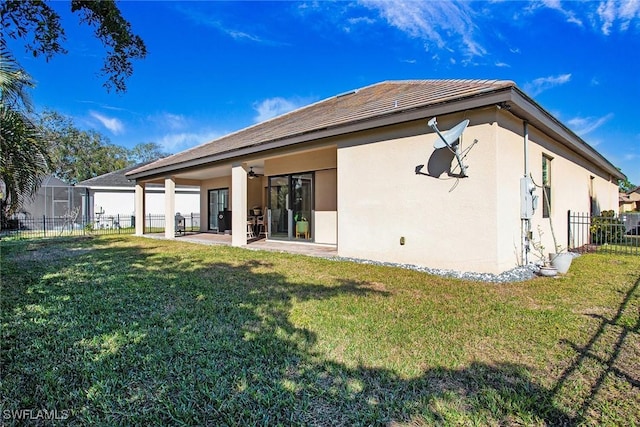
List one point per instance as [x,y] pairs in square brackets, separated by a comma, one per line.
[561,261]
[548,271]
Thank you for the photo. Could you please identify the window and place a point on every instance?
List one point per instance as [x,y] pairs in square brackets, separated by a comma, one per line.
[546,186]
[592,199]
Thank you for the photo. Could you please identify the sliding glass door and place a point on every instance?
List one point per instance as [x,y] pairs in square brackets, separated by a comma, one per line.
[218,203]
[291,205]
[279,206]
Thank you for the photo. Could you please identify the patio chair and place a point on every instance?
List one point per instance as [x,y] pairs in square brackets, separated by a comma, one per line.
[262,226]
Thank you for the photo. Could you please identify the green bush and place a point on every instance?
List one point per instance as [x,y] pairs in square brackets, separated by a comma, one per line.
[606,228]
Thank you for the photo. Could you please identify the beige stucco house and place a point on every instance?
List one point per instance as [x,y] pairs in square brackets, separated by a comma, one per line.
[361,169]
[630,201]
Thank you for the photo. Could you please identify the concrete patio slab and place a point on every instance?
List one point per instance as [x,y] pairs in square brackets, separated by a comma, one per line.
[302,248]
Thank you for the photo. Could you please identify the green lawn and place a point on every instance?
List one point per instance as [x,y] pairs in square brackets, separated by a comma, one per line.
[119,330]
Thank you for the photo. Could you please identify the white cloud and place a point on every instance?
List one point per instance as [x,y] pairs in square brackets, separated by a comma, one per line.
[273,107]
[353,22]
[557,5]
[541,84]
[585,125]
[628,11]
[361,20]
[239,35]
[175,142]
[607,14]
[112,124]
[625,12]
[198,17]
[431,21]
[502,64]
[169,121]
[175,121]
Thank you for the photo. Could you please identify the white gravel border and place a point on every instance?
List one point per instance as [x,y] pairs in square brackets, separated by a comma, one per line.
[518,274]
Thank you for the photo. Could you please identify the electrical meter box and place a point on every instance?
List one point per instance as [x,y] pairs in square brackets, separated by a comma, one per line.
[528,200]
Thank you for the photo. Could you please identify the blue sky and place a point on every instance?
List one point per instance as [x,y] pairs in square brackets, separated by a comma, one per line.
[216,67]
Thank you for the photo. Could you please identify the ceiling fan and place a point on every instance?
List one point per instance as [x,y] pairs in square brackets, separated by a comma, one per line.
[251,174]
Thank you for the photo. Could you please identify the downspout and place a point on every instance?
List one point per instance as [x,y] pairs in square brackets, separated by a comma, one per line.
[525,126]
[525,222]
[87,206]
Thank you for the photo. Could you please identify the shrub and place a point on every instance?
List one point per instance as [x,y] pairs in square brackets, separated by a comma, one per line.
[606,228]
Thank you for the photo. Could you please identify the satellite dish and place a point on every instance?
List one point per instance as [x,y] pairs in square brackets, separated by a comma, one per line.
[451,140]
[450,137]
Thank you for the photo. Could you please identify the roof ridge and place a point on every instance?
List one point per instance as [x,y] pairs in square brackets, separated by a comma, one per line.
[480,81]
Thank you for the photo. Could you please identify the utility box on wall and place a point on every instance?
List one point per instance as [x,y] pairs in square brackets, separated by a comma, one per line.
[528,200]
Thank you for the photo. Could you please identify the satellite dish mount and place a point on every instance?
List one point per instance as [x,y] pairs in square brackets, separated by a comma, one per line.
[451,140]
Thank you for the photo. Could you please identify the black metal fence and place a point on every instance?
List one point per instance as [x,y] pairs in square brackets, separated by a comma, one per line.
[28,227]
[607,232]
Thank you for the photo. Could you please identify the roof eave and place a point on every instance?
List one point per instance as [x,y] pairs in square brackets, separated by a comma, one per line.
[527,109]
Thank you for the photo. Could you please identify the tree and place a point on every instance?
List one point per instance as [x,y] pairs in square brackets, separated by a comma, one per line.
[146,152]
[23,150]
[24,157]
[76,154]
[625,185]
[39,25]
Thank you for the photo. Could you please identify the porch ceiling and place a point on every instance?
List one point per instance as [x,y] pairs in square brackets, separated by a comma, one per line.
[205,173]
[210,172]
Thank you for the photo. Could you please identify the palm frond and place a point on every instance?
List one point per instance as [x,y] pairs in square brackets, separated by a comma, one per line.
[24,158]
[14,81]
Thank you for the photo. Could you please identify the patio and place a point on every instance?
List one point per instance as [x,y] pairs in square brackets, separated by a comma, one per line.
[309,249]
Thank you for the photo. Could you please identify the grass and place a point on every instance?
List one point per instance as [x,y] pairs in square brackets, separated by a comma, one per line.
[119,330]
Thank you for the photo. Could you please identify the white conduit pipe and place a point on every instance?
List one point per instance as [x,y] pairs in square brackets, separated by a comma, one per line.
[526,223]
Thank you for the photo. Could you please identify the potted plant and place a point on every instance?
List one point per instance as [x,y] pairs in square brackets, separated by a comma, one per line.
[546,269]
[302,226]
[560,259]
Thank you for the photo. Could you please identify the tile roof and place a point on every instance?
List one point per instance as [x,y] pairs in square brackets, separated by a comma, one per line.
[373,101]
[112,179]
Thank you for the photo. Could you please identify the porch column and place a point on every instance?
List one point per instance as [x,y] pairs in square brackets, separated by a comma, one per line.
[139,208]
[169,208]
[238,205]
